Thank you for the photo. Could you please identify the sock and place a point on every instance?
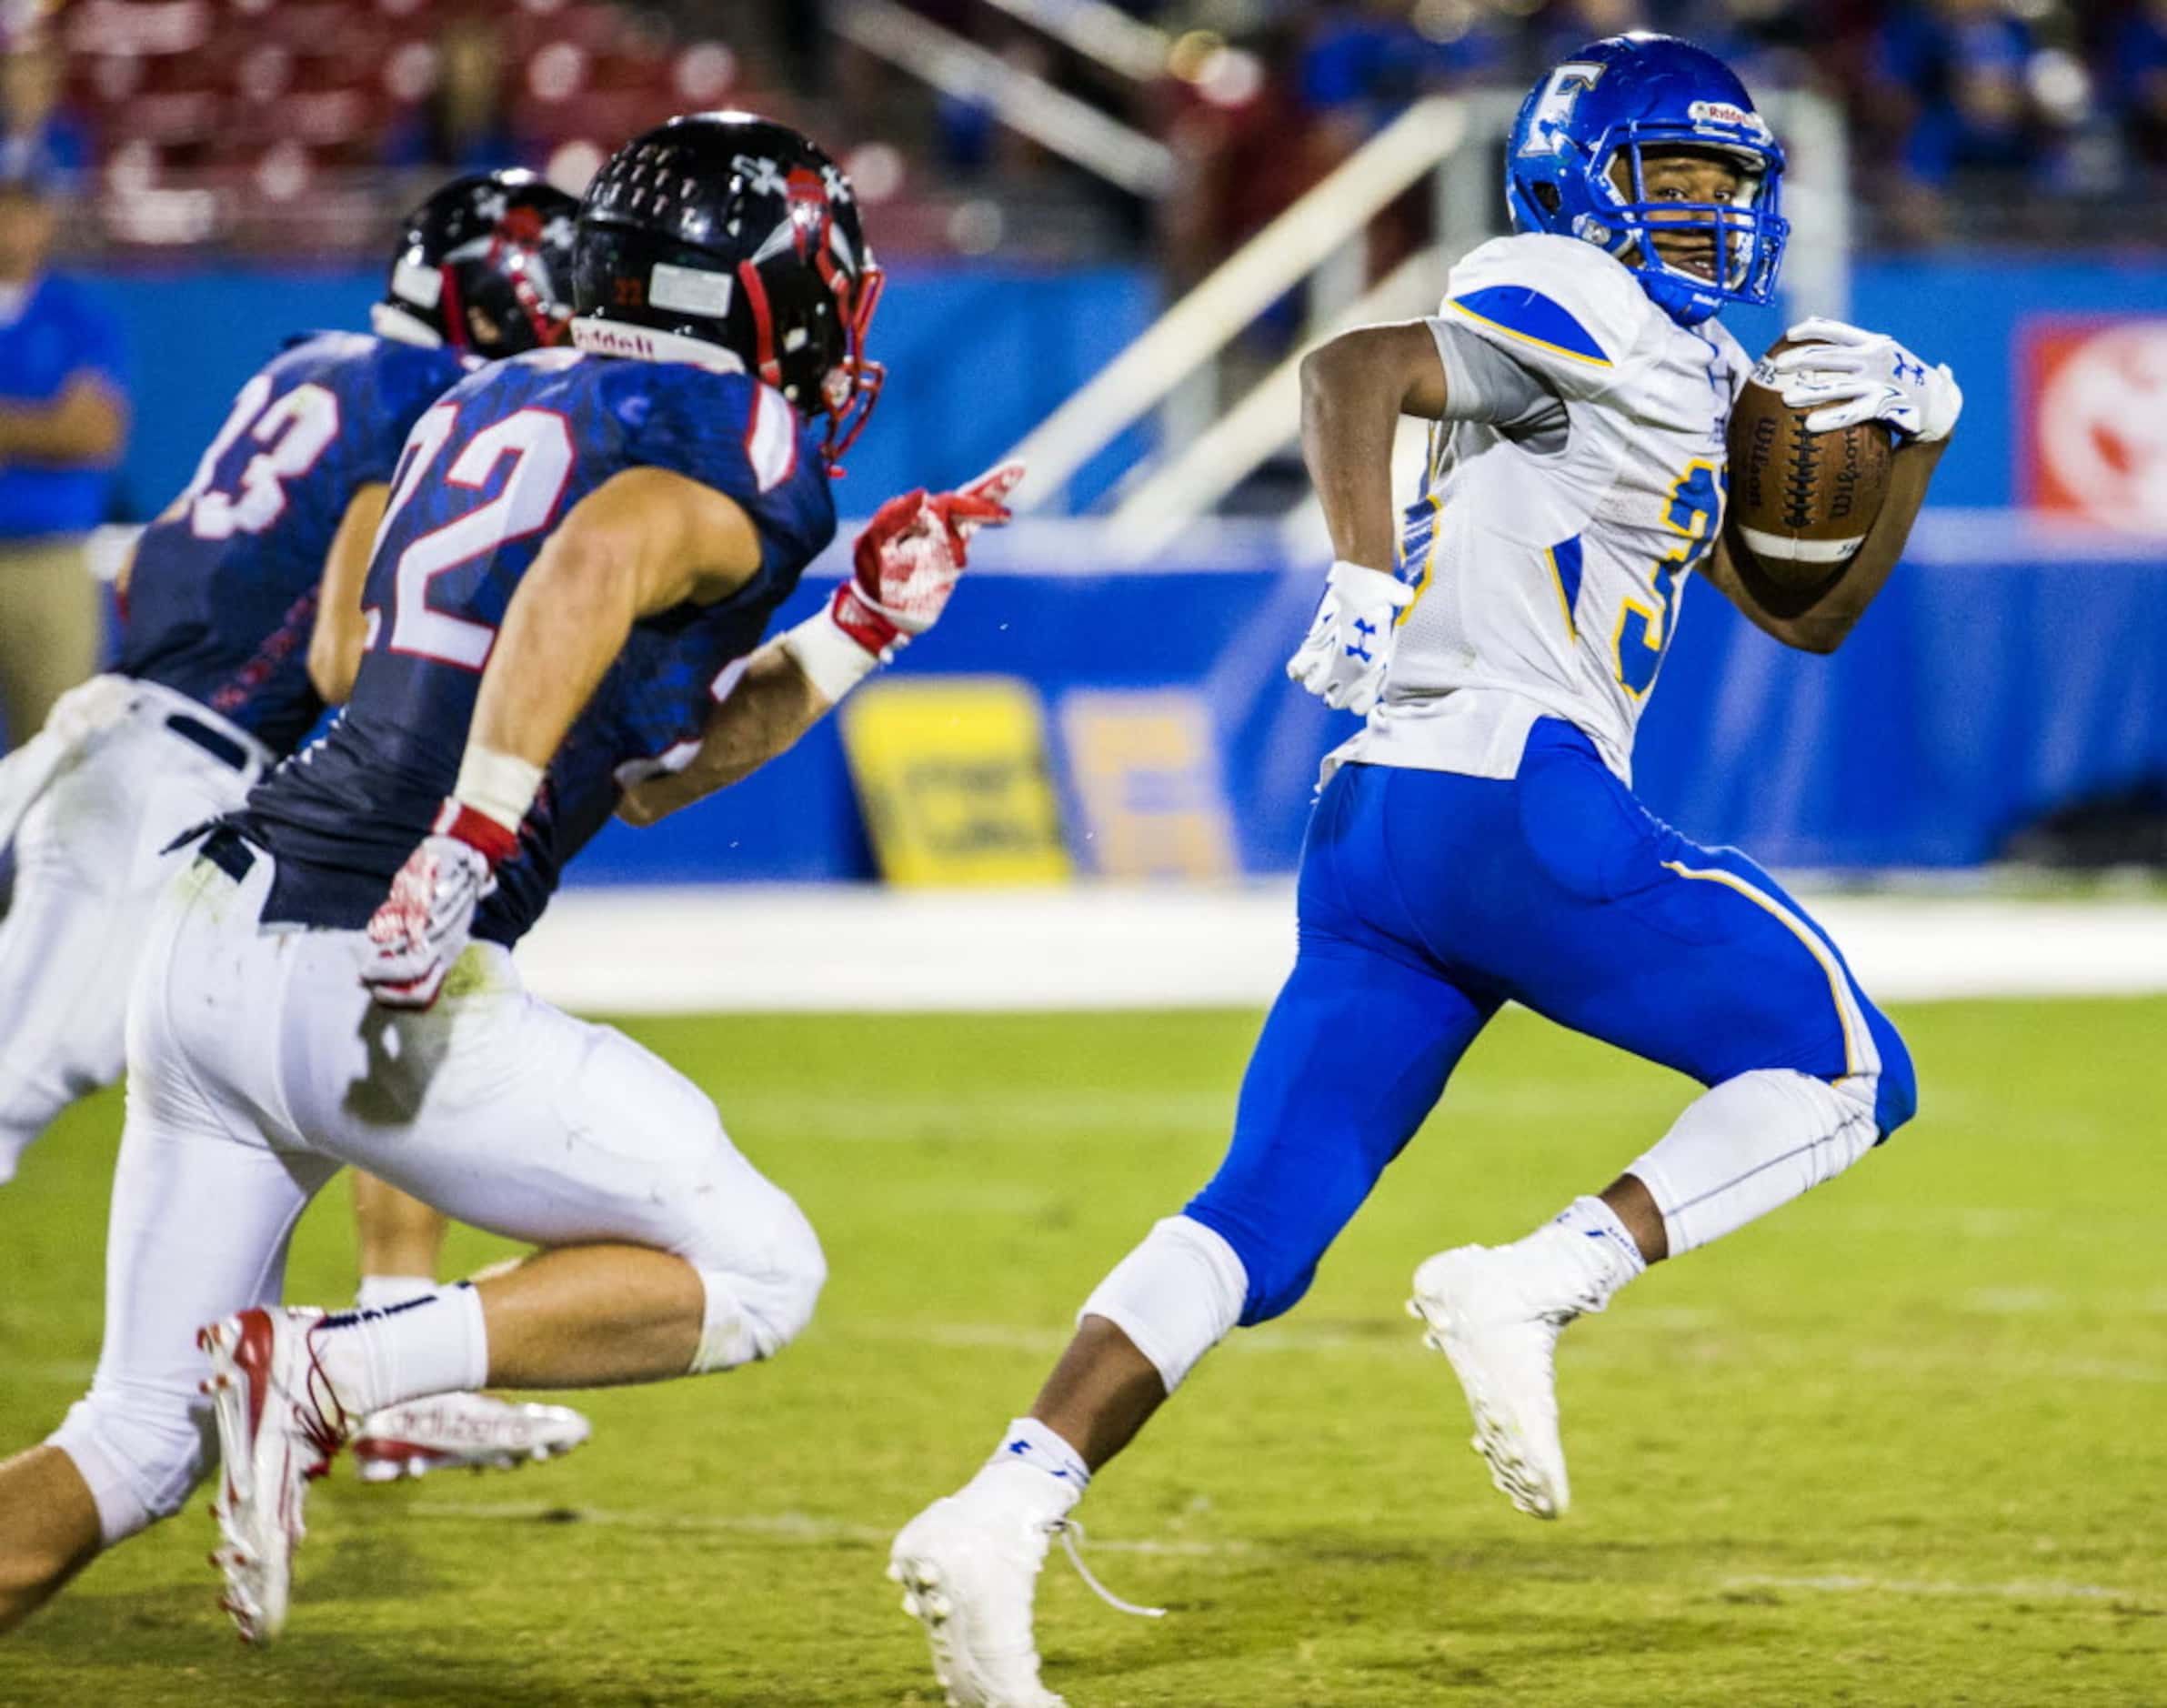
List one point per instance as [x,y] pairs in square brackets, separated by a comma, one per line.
[1751,1145]
[380,1292]
[1600,1243]
[436,1344]
[1035,1466]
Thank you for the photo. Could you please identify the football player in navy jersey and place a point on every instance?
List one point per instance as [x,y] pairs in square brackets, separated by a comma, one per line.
[243,618]
[566,603]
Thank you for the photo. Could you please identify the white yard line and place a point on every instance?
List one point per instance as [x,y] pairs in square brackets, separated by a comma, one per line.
[804,1527]
[792,1526]
[2024,1589]
[841,948]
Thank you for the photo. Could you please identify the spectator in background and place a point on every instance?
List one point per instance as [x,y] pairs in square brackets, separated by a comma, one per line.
[1367,58]
[1955,69]
[32,115]
[464,125]
[63,425]
[2139,79]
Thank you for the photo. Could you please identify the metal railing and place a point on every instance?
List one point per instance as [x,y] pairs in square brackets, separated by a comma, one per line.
[1311,237]
[1315,245]
[1072,129]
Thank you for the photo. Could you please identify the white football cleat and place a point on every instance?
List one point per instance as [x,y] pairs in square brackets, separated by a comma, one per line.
[1496,1313]
[279,1425]
[474,1431]
[970,1569]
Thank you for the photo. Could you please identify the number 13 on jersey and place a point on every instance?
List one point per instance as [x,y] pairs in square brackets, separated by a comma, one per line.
[1695,511]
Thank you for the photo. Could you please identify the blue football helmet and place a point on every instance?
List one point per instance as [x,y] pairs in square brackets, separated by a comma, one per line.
[1618,100]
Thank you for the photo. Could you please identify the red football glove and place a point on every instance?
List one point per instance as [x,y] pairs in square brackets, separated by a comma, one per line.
[906,562]
[421,930]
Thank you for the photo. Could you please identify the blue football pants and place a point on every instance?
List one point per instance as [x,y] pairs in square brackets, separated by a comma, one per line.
[1429,899]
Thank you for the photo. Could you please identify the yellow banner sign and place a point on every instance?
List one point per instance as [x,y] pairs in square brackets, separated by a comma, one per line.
[951,773]
[1145,768]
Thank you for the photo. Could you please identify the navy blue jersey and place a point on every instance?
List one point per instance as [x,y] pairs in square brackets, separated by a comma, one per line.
[223,594]
[489,471]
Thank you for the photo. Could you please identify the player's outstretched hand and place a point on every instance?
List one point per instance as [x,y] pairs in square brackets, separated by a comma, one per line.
[1350,645]
[1855,375]
[421,930]
[905,563]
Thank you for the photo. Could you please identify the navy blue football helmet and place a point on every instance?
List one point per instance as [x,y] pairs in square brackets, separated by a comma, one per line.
[1622,99]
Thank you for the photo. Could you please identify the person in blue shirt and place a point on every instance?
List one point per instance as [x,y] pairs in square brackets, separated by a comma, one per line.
[64,422]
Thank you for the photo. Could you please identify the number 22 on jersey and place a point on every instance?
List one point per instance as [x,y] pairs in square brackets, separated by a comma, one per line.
[539,443]
[1695,511]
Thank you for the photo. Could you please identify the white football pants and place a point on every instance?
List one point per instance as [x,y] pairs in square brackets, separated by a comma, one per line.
[88,871]
[257,1066]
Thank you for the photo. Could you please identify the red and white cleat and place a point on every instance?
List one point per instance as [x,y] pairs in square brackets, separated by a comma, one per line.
[476,1432]
[279,1425]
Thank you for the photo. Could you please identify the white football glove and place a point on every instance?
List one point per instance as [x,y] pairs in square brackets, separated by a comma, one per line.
[78,718]
[422,928]
[1350,645]
[1855,375]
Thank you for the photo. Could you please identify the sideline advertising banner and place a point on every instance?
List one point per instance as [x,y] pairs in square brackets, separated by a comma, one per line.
[2093,420]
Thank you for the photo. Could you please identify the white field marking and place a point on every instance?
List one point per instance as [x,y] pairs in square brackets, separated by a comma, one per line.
[1937,1219]
[1392,1337]
[840,947]
[1388,1338]
[1610,1349]
[792,1526]
[2026,1590]
[2014,1302]
[992,1111]
[803,1527]
[2056,1369]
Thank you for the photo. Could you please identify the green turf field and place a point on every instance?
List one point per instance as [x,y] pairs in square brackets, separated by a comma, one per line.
[1904,1443]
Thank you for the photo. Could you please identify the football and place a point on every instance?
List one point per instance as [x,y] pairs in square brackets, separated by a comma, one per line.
[1804,501]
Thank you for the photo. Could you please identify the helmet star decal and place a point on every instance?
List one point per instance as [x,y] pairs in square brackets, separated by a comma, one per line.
[765,177]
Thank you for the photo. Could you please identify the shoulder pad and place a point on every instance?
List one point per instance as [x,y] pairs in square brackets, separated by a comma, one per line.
[1559,301]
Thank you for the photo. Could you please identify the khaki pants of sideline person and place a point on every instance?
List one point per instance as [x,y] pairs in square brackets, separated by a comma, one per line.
[48,628]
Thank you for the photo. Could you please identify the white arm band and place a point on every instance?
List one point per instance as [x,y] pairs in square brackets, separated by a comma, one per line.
[499,786]
[832,661]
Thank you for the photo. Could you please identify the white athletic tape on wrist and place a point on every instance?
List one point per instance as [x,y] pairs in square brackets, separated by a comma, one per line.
[832,661]
[499,786]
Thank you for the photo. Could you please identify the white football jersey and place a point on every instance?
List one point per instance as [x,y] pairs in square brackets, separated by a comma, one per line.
[1549,566]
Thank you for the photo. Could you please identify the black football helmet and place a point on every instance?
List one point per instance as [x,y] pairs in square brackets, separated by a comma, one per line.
[486,263]
[737,233]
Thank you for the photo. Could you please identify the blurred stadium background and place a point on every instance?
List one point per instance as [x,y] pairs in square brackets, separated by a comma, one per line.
[1112,228]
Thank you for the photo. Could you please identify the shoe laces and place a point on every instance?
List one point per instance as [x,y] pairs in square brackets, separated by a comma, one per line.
[325,1420]
[1071,1533]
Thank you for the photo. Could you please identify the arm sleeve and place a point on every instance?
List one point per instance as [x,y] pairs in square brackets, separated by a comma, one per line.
[1482,383]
